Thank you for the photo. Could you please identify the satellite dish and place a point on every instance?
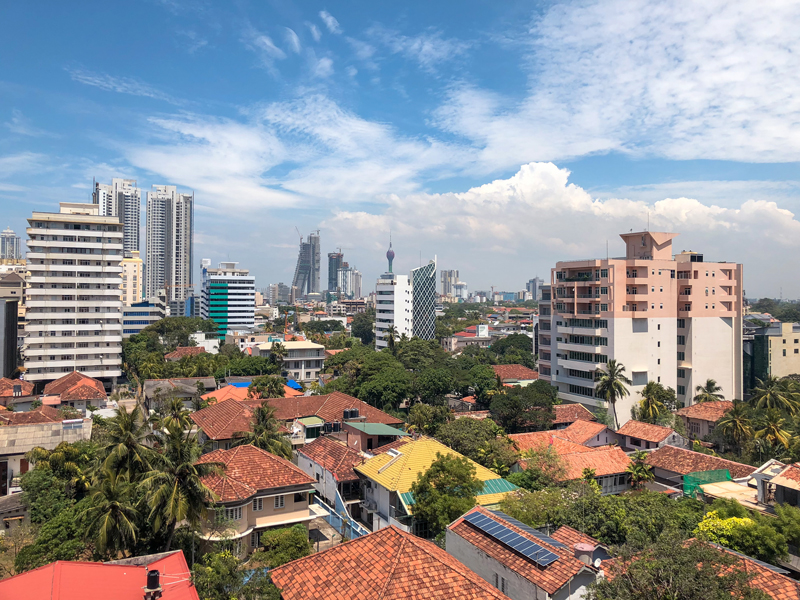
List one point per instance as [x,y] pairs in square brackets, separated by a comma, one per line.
[597,562]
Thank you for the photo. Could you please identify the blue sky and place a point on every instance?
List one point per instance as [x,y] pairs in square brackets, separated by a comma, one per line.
[499,136]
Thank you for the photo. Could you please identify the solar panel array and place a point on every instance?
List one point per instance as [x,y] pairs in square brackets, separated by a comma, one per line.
[537,534]
[512,539]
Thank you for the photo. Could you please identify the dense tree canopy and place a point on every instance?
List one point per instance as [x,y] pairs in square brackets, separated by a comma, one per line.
[528,408]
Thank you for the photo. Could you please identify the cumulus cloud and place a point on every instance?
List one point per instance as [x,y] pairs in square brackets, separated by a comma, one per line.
[512,229]
[330,22]
[665,78]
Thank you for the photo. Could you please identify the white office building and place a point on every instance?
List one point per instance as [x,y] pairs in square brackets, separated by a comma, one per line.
[121,199]
[228,296]
[10,246]
[424,300]
[170,228]
[74,306]
[393,305]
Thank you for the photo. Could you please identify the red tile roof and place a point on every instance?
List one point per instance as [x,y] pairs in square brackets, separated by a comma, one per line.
[76,386]
[581,432]
[468,399]
[43,414]
[182,351]
[606,460]
[569,413]
[706,411]
[789,477]
[569,536]
[390,446]
[551,578]
[63,580]
[249,470]
[224,420]
[389,564]
[464,334]
[334,456]
[681,461]
[241,393]
[645,431]
[541,439]
[7,387]
[518,372]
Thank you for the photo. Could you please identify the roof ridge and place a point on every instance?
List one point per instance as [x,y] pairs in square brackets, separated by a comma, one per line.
[390,574]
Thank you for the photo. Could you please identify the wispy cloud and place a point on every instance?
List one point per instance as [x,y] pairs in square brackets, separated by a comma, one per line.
[315,33]
[22,162]
[121,85]
[429,49]
[192,41]
[322,67]
[330,22]
[293,40]
[22,125]
[264,47]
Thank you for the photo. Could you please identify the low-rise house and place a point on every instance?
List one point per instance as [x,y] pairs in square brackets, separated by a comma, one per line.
[17,440]
[366,436]
[515,374]
[609,464]
[15,387]
[462,339]
[13,513]
[303,361]
[255,492]
[241,393]
[518,560]
[700,419]
[589,433]
[389,564]
[75,390]
[635,435]
[330,462]
[387,479]
[157,576]
[182,352]
[185,388]
[539,440]
[671,463]
[41,414]
[567,414]
[464,404]
[786,485]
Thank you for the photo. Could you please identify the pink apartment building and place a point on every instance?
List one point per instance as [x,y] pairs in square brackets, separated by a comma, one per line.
[675,319]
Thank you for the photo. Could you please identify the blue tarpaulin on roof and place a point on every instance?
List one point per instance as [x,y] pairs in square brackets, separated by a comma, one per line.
[240,384]
[294,385]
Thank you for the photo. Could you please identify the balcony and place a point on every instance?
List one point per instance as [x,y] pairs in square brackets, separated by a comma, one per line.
[634,309]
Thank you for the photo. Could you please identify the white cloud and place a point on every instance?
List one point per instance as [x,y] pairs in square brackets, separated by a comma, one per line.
[506,231]
[429,49]
[322,67]
[264,47]
[21,125]
[330,22]
[351,71]
[666,78]
[293,40]
[315,33]
[121,85]
[21,163]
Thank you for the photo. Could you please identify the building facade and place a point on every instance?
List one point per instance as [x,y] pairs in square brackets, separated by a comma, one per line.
[10,245]
[132,278]
[170,247]
[307,270]
[534,286]
[335,260]
[676,320]
[228,296]
[74,307]
[449,279]
[121,199]
[8,337]
[139,315]
[774,349]
[393,308]
[423,292]
[303,361]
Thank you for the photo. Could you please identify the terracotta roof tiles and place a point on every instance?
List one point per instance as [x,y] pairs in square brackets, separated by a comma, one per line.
[706,411]
[645,431]
[541,439]
[606,460]
[43,414]
[389,564]
[7,387]
[76,386]
[334,456]
[518,372]
[569,536]
[183,351]
[681,461]
[569,413]
[581,431]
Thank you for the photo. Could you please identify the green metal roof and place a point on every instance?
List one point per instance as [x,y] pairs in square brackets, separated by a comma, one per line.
[490,486]
[311,421]
[375,428]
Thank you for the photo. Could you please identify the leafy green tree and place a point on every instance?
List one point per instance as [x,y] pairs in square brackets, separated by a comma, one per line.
[247,366]
[639,470]
[673,569]
[387,388]
[528,408]
[267,386]
[283,545]
[445,491]
[71,463]
[362,327]
[44,495]
[772,427]
[736,424]
[175,491]
[266,433]
[775,393]
[433,385]
[483,381]
[611,386]
[710,392]
[60,538]
[427,419]
[418,355]
[651,408]
[219,576]
[731,526]
[323,326]
[110,519]
[467,436]
[544,468]
[787,523]
[172,412]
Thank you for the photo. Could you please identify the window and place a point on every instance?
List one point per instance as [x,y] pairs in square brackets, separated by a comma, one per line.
[796,351]
[604,291]
[659,344]
[681,355]
[233,514]
[258,504]
[784,351]
[254,539]
[603,307]
[660,306]
[681,373]
[604,273]
[681,323]
[659,326]
[681,340]
[652,288]
[681,390]
[661,289]
[279,502]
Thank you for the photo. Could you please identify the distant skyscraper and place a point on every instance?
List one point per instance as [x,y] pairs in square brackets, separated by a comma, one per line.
[357,284]
[534,286]
[121,199]
[10,245]
[348,282]
[335,260]
[423,289]
[449,279]
[170,229]
[307,271]
[393,304]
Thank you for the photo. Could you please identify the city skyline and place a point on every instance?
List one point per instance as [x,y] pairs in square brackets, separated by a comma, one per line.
[465,137]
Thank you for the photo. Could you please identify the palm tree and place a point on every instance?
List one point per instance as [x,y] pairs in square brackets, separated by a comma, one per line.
[773,392]
[639,470]
[110,518]
[650,407]
[174,487]
[126,451]
[266,386]
[277,353]
[611,386]
[736,424]
[390,336]
[266,433]
[172,411]
[772,428]
[710,392]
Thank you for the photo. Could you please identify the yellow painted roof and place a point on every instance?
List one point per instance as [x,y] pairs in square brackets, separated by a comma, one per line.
[416,456]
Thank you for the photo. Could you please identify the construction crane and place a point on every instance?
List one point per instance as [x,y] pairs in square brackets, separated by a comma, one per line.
[299,234]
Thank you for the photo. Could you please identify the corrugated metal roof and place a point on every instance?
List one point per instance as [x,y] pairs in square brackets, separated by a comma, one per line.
[492,492]
[311,421]
[376,428]
[19,439]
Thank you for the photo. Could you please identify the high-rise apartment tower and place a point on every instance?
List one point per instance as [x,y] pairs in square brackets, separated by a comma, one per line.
[10,245]
[228,296]
[335,260]
[423,291]
[449,279]
[393,305]
[121,199]
[170,248]
[674,320]
[307,271]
